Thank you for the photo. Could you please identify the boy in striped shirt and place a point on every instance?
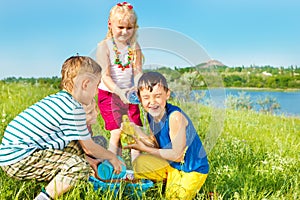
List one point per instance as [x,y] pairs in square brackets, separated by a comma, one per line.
[49,140]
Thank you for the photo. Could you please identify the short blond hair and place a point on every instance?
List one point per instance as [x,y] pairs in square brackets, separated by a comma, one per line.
[77,65]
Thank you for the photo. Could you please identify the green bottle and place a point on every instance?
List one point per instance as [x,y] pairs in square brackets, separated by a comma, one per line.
[127,132]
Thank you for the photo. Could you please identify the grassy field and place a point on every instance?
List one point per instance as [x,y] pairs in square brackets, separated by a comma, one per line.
[256,156]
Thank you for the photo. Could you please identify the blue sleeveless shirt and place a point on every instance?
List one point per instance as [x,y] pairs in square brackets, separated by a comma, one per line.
[195,158]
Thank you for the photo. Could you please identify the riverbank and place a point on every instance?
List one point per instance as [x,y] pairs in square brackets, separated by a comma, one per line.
[266,89]
[253,89]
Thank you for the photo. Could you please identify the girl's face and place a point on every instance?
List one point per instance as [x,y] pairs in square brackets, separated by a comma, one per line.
[122,29]
[154,102]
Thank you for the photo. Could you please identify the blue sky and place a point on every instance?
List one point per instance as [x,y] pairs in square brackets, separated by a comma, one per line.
[37,36]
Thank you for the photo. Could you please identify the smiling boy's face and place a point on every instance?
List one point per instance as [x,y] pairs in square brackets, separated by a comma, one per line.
[154,102]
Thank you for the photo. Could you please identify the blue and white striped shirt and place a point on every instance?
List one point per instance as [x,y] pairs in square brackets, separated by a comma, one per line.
[51,123]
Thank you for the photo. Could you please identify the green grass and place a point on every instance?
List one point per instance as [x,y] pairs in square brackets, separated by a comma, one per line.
[256,156]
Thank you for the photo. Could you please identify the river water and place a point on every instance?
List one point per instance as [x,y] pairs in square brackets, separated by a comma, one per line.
[289,101]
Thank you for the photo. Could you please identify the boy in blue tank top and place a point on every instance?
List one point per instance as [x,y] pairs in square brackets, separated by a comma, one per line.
[174,151]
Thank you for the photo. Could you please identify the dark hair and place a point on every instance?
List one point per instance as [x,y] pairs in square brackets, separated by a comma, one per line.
[150,79]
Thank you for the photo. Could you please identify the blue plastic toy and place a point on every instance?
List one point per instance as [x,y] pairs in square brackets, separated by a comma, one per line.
[114,182]
[130,188]
[132,97]
[106,170]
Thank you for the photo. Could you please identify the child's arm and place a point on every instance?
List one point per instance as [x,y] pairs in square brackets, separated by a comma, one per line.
[177,124]
[148,140]
[177,135]
[98,152]
[137,65]
[102,58]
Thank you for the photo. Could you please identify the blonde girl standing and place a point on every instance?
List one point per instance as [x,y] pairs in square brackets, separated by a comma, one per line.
[121,58]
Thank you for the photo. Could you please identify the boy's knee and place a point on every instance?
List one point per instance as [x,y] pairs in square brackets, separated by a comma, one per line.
[77,165]
[139,162]
[74,171]
[74,148]
[149,163]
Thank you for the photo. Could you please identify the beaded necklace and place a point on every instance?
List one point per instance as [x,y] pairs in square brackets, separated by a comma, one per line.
[117,59]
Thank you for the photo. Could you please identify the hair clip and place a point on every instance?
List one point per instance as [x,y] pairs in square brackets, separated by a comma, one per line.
[125,4]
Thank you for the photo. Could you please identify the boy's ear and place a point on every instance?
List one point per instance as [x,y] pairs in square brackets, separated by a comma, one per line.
[168,94]
[85,83]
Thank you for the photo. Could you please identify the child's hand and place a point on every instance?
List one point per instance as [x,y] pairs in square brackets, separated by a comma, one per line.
[137,130]
[141,136]
[117,164]
[123,96]
[138,145]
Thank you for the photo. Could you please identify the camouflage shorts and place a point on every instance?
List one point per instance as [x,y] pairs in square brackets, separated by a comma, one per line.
[66,166]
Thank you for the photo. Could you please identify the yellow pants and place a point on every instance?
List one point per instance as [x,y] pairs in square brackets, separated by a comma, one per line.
[180,185]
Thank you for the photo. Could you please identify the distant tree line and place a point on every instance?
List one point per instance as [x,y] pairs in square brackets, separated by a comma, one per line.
[262,77]
[253,76]
[53,82]
[196,77]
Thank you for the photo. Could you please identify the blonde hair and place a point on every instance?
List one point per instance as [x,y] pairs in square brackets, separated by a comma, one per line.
[125,12]
[77,65]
